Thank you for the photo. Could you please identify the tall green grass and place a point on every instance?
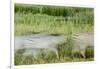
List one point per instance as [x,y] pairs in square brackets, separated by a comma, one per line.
[30,19]
[51,10]
[29,23]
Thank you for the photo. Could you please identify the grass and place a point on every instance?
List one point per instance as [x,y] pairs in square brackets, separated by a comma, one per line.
[36,20]
[45,59]
[29,23]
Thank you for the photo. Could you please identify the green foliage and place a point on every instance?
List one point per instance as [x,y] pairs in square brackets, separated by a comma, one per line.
[29,23]
[36,18]
[50,10]
[89,52]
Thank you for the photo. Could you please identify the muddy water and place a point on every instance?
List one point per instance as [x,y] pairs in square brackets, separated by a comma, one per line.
[33,44]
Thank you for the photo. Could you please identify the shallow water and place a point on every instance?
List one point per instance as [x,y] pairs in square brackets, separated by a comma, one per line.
[33,44]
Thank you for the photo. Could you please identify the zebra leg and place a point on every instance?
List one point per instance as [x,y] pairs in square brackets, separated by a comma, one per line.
[56,52]
[83,53]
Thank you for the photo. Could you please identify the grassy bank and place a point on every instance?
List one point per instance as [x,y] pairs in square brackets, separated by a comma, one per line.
[76,20]
[29,23]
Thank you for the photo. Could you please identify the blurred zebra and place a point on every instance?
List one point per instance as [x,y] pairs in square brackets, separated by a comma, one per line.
[82,41]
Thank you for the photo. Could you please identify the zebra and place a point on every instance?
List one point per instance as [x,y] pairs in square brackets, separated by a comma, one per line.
[82,41]
[38,43]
